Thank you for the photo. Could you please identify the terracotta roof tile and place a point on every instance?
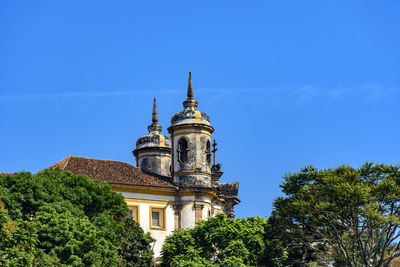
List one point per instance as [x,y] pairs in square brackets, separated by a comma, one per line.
[111,171]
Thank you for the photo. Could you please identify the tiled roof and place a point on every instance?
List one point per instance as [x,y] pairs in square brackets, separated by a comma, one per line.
[111,171]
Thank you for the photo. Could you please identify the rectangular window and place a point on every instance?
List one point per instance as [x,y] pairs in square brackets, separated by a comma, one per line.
[157,218]
[133,212]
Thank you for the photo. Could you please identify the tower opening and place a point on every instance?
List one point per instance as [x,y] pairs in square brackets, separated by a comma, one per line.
[208,152]
[182,150]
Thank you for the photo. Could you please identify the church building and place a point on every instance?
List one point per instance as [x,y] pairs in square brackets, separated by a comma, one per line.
[174,183]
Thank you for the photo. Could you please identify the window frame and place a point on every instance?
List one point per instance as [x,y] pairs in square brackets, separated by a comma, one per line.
[138,211]
[164,218]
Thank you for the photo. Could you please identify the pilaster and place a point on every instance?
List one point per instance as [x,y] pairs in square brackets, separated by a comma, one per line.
[178,215]
[198,209]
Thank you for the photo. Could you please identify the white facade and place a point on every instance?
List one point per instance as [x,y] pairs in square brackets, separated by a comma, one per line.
[145,202]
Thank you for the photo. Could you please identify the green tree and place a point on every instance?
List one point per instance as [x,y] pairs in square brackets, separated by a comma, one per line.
[285,246]
[58,218]
[25,193]
[133,245]
[350,216]
[18,245]
[74,239]
[217,241]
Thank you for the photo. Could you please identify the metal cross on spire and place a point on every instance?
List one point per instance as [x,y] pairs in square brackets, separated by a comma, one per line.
[214,150]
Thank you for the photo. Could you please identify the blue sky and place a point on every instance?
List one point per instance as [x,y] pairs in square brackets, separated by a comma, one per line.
[286,83]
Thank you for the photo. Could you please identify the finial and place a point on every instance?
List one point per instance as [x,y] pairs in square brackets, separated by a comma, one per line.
[154,127]
[190,103]
[190,87]
[155,114]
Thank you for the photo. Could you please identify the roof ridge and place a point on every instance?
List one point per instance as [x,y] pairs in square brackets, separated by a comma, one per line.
[66,162]
[103,160]
[58,162]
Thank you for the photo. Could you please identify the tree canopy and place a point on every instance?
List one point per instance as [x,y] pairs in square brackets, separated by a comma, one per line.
[58,218]
[218,241]
[342,216]
[346,216]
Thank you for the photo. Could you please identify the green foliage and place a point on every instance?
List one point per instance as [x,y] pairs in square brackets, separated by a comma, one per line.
[232,261]
[284,246]
[73,239]
[217,241]
[133,245]
[57,218]
[25,193]
[180,244]
[349,216]
[18,245]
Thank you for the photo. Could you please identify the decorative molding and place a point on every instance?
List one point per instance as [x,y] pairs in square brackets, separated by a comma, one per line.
[191,172]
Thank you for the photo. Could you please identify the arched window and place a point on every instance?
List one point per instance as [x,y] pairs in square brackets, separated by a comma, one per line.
[182,150]
[208,152]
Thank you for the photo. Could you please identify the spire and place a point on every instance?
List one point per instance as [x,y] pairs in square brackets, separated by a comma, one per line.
[190,87]
[190,103]
[154,127]
[154,118]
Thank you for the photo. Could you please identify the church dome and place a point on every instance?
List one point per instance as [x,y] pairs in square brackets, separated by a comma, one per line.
[190,114]
[153,139]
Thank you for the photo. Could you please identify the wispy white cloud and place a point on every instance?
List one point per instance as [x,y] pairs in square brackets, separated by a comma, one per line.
[371,93]
[80,94]
[366,92]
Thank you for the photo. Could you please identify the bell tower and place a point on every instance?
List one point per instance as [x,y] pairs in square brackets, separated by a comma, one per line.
[190,132]
[153,151]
